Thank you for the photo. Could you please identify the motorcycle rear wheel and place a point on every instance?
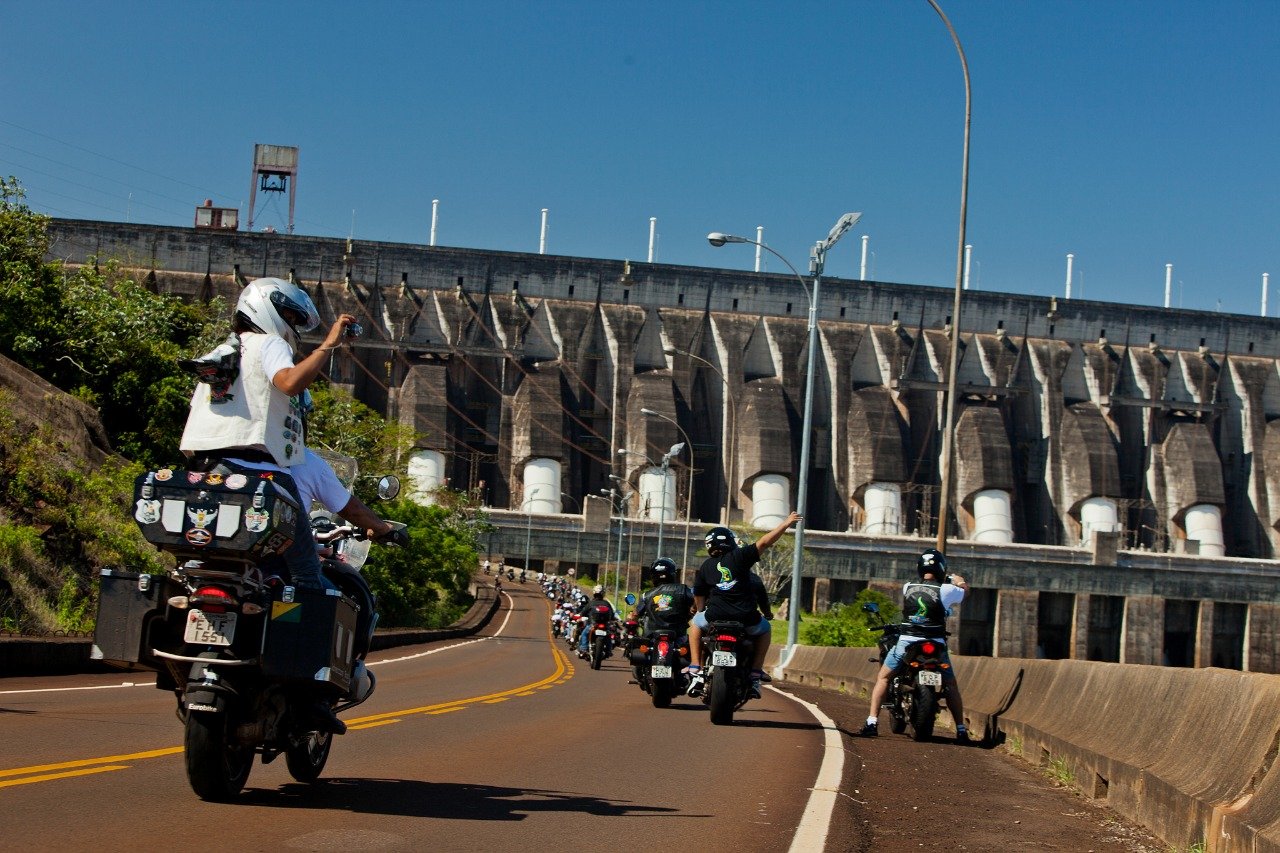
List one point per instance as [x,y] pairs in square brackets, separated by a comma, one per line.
[924,709]
[722,698]
[307,758]
[216,769]
[661,690]
[597,652]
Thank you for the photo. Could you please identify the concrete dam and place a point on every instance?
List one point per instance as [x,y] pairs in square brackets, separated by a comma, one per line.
[1117,480]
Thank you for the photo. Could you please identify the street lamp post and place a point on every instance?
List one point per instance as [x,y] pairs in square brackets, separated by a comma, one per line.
[953,359]
[817,260]
[665,466]
[688,501]
[732,443]
[528,530]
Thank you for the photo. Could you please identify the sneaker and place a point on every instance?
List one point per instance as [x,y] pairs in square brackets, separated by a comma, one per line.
[962,735]
[869,730]
[696,681]
[754,690]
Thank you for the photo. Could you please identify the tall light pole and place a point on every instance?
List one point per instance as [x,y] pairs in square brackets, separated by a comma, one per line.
[732,443]
[664,466]
[528,530]
[817,260]
[953,360]
[688,500]
[624,498]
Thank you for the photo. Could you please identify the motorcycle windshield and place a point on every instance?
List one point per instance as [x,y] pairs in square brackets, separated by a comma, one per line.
[355,552]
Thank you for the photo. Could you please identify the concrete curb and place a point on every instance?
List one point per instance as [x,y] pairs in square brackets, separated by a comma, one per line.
[64,655]
[1189,753]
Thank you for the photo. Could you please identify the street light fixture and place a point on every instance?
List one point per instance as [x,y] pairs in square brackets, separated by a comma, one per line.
[688,501]
[665,466]
[817,261]
[732,443]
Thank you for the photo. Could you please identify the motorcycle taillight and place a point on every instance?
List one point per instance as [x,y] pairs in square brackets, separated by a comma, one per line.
[727,638]
[663,648]
[928,648]
[212,599]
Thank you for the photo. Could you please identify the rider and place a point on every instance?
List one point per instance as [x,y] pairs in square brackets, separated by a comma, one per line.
[668,606]
[597,612]
[723,591]
[253,423]
[926,604]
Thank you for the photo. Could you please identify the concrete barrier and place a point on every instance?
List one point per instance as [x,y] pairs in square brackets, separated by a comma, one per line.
[1189,753]
[60,655]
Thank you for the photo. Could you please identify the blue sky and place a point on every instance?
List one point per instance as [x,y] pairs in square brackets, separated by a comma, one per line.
[1130,133]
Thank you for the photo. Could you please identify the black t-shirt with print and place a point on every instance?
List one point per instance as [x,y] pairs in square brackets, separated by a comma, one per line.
[666,607]
[726,583]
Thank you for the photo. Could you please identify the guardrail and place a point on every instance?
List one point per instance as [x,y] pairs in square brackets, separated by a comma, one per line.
[1189,753]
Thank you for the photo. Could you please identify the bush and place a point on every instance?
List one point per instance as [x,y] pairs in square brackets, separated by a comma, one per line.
[847,624]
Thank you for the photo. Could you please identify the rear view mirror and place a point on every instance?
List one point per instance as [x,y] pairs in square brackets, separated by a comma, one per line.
[388,487]
[630,598]
[871,607]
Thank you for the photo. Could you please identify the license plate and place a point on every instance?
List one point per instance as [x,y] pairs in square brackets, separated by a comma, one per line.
[929,679]
[724,659]
[210,629]
[600,632]
[659,672]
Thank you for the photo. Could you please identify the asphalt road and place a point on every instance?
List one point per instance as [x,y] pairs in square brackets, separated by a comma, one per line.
[500,742]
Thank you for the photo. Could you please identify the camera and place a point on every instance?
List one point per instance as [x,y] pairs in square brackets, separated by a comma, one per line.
[354,330]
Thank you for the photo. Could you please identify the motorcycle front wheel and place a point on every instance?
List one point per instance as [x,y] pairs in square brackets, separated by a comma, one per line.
[722,698]
[216,769]
[924,709]
[307,757]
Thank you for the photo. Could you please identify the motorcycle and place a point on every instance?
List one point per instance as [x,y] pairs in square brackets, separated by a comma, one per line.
[727,651]
[916,686]
[259,667]
[658,660]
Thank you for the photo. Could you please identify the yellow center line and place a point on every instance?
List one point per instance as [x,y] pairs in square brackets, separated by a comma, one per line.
[51,776]
[563,672]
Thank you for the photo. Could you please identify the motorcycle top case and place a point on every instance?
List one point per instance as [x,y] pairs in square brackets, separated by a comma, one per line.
[198,514]
[311,638]
[131,617]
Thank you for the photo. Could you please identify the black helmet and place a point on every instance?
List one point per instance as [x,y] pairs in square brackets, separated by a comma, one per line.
[932,562]
[720,540]
[664,570]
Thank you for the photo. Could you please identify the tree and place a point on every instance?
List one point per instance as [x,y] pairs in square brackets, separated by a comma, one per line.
[342,424]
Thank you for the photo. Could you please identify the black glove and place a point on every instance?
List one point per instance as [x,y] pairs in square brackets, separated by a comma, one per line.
[398,536]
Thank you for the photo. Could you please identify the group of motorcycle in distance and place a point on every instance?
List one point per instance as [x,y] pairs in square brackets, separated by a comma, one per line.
[659,659]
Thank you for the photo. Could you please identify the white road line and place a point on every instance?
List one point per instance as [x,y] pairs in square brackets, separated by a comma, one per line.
[501,628]
[815,823]
[92,687]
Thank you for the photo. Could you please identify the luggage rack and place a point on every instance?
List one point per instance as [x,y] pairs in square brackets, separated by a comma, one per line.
[251,577]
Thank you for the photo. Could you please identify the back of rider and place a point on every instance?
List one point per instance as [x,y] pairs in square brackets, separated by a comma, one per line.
[725,581]
[666,608]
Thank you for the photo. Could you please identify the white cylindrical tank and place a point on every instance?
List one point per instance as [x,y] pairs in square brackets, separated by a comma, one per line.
[770,500]
[541,487]
[426,473]
[1204,524]
[658,493]
[1098,515]
[992,517]
[882,503]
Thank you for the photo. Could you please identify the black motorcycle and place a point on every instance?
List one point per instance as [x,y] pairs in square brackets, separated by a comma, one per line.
[727,653]
[658,660]
[258,666]
[916,687]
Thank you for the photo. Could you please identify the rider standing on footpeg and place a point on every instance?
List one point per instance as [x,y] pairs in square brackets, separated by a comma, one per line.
[926,604]
[724,590]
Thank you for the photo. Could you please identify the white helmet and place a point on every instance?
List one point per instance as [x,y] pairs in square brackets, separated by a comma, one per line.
[597,590]
[274,306]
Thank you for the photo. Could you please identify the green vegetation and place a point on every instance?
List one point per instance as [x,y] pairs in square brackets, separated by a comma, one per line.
[1059,772]
[111,341]
[848,624]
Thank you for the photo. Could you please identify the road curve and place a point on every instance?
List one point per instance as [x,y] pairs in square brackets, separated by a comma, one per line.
[498,742]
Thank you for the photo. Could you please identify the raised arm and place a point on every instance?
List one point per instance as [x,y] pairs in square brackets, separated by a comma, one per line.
[776,533]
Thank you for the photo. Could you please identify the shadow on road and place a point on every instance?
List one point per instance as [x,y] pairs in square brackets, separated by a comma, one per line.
[444,800]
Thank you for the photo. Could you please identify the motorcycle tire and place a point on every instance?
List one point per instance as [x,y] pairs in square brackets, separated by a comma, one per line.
[897,721]
[924,710]
[216,769]
[597,652]
[722,697]
[661,691]
[306,759]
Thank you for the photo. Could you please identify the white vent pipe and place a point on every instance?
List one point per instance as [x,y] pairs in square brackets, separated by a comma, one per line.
[1265,277]
[1070,259]
[435,218]
[968,253]
[1168,284]
[542,241]
[759,248]
[653,235]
